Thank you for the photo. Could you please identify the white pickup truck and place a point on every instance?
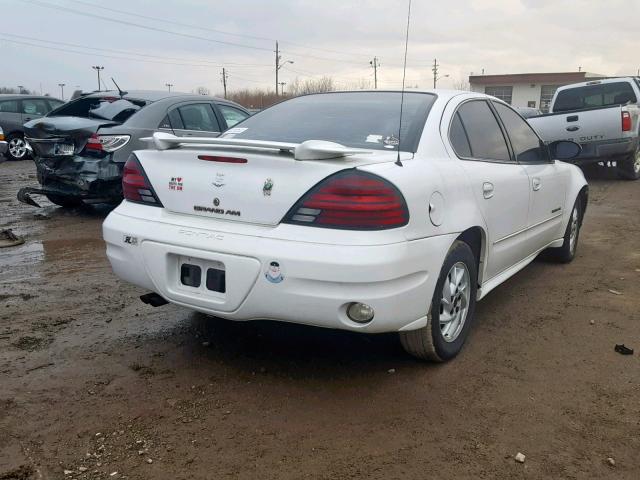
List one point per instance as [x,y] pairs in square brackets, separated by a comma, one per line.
[603,116]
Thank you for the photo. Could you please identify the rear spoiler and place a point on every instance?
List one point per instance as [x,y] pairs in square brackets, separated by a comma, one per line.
[308,150]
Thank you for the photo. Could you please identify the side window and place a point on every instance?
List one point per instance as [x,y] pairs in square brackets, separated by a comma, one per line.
[458,137]
[165,123]
[35,106]
[9,106]
[232,115]
[175,120]
[525,142]
[485,137]
[199,116]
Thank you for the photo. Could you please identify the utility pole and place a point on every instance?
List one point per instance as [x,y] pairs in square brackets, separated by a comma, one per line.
[169,85]
[62,85]
[375,63]
[20,88]
[225,75]
[279,65]
[282,84]
[435,72]
[97,68]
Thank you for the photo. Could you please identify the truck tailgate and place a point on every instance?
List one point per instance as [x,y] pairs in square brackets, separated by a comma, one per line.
[583,126]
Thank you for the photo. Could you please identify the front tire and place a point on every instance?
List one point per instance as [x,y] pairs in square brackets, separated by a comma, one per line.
[452,309]
[17,147]
[629,168]
[567,252]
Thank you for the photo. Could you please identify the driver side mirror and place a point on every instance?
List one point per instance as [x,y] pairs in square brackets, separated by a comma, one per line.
[564,150]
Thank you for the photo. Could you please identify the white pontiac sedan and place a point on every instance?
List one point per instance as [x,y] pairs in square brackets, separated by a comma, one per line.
[321,211]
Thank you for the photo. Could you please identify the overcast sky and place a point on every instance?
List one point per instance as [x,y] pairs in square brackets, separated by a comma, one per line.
[337,38]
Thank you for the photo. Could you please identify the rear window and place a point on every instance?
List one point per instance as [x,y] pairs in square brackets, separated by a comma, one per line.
[590,96]
[91,107]
[355,119]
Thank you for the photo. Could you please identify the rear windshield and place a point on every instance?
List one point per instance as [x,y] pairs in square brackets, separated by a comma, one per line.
[355,119]
[589,96]
[99,107]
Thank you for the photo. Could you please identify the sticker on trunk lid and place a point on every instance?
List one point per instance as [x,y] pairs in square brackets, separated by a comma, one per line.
[176,184]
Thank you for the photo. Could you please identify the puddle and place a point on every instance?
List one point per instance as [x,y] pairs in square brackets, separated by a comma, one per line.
[27,254]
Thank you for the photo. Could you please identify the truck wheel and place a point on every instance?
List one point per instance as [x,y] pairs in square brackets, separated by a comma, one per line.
[67,202]
[629,168]
[567,251]
[452,309]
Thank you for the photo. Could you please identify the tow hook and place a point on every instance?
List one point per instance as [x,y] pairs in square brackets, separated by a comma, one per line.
[153,299]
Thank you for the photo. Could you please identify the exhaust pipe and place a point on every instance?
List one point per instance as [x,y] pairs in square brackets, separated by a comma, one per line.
[153,299]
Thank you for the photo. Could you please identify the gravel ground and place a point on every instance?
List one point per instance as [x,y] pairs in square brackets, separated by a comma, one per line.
[93,382]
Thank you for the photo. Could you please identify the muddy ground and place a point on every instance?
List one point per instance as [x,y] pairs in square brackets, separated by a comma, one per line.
[94,382]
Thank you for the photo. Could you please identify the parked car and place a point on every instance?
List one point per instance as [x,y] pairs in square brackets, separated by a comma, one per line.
[604,117]
[3,143]
[528,112]
[15,111]
[81,147]
[317,211]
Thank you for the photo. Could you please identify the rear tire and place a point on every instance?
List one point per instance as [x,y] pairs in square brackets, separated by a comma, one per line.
[567,252]
[452,309]
[629,168]
[17,147]
[63,201]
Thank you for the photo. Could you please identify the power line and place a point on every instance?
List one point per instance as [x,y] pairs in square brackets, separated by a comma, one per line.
[214,64]
[213,30]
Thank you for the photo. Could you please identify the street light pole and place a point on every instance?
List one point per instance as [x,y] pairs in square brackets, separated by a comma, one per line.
[97,68]
[282,84]
[169,85]
[62,85]
[279,65]
[375,63]
[20,88]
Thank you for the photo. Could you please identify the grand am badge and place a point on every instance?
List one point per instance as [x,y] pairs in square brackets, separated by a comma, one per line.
[176,184]
[274,273]
[267,187]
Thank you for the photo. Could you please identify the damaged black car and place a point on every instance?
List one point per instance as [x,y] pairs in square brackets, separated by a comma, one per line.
[81,147]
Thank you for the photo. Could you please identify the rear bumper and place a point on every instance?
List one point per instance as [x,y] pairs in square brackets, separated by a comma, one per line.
[606,150]
[4,146]
[318,280]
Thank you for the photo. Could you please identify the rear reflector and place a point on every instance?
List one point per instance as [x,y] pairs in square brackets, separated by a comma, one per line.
[626,122]
[351,200]
[135,184]
[213,158]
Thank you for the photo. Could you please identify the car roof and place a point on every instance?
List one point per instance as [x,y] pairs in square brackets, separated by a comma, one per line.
[17,96]
[150,95]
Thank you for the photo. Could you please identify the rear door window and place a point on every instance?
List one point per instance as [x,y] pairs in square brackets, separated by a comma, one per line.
[54,104]
[200,117]
[458,137]
[486,140]
[524,141]
[232,115]
[9,106]
[34,106]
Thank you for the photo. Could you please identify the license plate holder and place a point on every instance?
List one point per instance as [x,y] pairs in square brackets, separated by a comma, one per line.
[63,149]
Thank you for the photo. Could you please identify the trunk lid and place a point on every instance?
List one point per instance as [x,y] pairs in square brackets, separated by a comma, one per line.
[260,190]
[47,134]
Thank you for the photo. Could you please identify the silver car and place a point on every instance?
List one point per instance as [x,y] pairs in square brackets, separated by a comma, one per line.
[80,148]
[15,111]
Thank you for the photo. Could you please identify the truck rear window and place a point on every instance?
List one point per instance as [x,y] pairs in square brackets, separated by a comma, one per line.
[96,107]
[590,96]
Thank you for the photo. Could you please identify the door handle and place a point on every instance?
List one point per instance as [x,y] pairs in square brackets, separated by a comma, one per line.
[536,184]
[573,128]
[487,190]
[27,119]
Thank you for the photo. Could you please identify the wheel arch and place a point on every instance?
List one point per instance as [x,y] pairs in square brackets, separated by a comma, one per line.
[476,238]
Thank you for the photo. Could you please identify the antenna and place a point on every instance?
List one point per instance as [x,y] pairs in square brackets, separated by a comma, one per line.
[404,74]
[120,91]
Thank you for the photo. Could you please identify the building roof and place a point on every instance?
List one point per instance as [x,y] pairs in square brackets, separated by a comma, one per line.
[548,78]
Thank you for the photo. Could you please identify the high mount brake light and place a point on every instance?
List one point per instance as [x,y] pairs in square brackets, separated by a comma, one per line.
[135,184]
[351,200]
[106,143]
[214,158]
[626,122]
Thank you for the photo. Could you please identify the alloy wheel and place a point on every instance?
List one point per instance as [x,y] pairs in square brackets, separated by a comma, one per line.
[17,147]
[454,303]
[573,232]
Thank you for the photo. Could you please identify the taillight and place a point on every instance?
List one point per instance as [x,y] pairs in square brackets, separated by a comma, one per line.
[351,200]
[106,143]
[626,122]
[135,184]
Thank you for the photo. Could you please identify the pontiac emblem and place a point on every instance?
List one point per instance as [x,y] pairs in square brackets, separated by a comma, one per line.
[267,187]
[219,181]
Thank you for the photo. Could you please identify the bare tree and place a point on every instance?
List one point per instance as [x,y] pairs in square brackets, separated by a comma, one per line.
[461,84]
[360,84]
[15,90]
[311,85]
[201,91]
